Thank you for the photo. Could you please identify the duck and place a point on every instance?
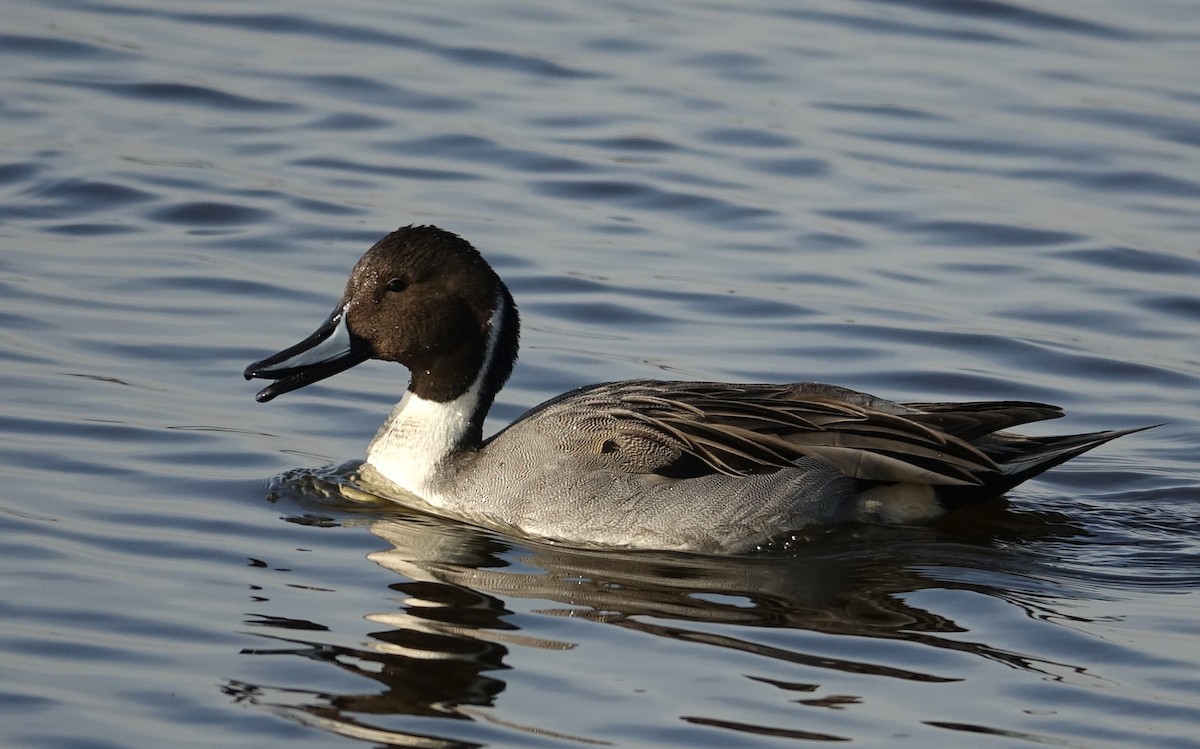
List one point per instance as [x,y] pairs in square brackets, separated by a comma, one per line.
[703,467]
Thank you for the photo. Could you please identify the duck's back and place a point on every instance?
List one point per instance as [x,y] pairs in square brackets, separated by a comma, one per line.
[610,464]
[719,467]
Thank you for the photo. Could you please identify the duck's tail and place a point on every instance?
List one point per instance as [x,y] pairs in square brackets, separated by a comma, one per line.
[1021,458]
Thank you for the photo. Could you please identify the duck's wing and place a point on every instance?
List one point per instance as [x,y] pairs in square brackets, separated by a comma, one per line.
[685,429]
[971,421]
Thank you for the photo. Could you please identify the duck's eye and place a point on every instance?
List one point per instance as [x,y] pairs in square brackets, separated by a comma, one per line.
[397,284]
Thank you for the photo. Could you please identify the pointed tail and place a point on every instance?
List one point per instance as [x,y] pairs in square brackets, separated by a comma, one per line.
[1021,458]
[1029,456]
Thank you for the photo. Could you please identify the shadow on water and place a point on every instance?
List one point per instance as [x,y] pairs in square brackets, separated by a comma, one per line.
[441,653]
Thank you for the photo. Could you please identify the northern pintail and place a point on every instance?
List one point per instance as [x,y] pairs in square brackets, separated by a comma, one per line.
[698,466]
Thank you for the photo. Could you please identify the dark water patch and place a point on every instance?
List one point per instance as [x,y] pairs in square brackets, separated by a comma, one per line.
[736,66]
[278,24]
[886,111]
[869,216]
[90,230]
[1168,127]
[681,99]
[85,195]
[1101,368]
[962,384]
[398,172]
[829,242]
[813,278]
[616,226]
[31,291]
[175,94]
[148,352]
[479,150]
[982,234]
[566,285]
[17,173]
[349,122]
[620,45]
[691,179]
[95,464]
[978,146]
[996,270]
[751,729]
[892,27]
[616,315]
[746,137]
[203,286]
[25,538]
[45,736]
[589,120]
[593,190]
[1015,15]
[337,238]
[67,650]
[1088,318]
[537,67]
[1134,260]
[974,729]
[1132,182]
[55,48]
[1184,307]
[629,143]
[923,165]
[645,196]
[752,309]
[20,349]
[133,626]
[222,461]
[378,93]
[24,703]
[12,112]
[326,208]
[791,167]
[170,176]
[725,305]
[209,213]
[87,428]
[508,262]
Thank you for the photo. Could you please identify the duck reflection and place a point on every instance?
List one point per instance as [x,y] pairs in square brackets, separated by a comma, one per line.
[442,651]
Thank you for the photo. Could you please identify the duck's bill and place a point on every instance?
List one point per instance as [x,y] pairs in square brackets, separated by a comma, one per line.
[329,350]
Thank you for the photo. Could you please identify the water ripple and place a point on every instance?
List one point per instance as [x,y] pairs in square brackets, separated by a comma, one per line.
[1017,15]
[177,94]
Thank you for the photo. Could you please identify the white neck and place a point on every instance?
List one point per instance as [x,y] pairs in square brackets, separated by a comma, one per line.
[415,441]
[412,447]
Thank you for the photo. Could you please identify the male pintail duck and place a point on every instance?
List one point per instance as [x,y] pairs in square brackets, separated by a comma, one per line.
[708,467]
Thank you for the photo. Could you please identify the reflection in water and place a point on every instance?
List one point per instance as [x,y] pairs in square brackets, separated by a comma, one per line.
[425,663]
[441,653]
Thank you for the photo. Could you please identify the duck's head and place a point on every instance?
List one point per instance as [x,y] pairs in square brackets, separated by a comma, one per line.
[422,297]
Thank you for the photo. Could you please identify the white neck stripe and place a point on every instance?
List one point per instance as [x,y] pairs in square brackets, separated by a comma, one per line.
[420,435]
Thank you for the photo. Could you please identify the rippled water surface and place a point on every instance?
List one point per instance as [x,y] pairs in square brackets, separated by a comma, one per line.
[925,200]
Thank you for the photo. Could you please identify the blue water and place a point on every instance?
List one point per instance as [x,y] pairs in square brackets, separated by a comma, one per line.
[928,201]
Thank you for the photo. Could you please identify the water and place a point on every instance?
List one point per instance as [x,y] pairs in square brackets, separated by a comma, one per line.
[922,200]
